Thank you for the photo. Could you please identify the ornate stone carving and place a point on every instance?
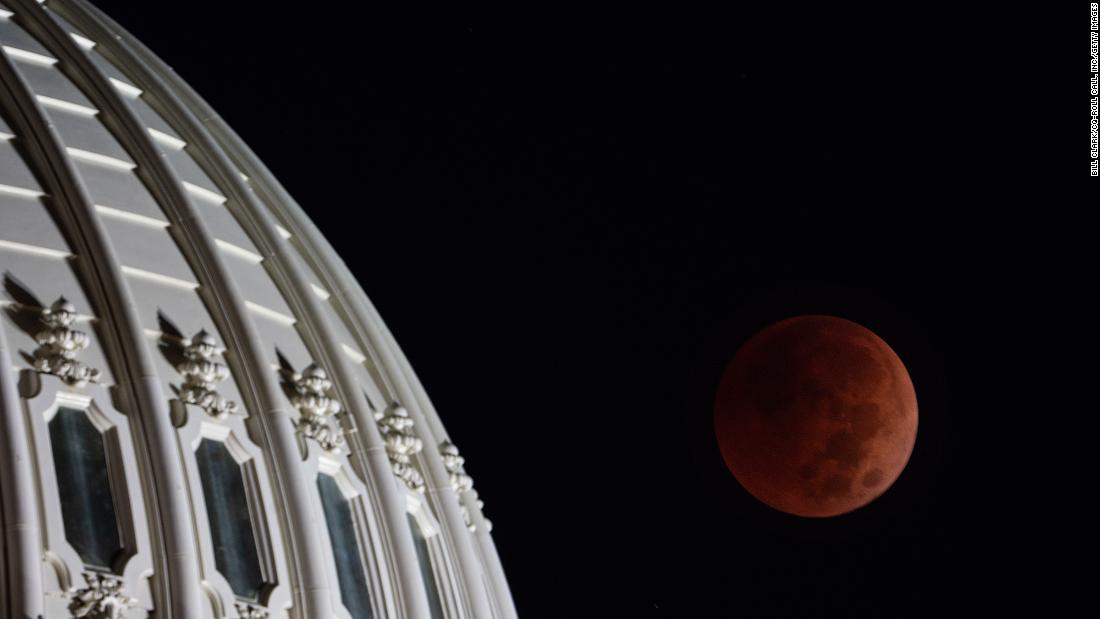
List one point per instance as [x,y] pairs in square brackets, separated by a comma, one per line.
[247,611]
[101,599]
[202,374]
[401,445]
[460,481]
[59,343]
[317,410]
[454,462]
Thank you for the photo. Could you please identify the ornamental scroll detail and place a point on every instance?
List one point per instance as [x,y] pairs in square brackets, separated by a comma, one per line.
[401,445]
[202,374]
[460,481]
[59,343]
[317,410]
[101,599]
[248,611]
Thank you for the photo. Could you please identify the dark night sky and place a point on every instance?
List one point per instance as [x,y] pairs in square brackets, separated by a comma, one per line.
[570,222]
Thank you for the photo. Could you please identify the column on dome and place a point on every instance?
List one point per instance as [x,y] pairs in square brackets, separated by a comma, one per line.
[22,208]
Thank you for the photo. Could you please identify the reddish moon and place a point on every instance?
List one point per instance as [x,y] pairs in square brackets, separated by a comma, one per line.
[816,416]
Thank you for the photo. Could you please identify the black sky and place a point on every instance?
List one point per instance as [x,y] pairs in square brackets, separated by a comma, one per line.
[570,222]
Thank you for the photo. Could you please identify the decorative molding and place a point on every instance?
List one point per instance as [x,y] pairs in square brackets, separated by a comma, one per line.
[201,376]
[401,445]
[317,410]
[59,343]
[101,599]
[248,611]
[460,481]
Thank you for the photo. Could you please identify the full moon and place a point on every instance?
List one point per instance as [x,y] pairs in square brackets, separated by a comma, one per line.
[816,416]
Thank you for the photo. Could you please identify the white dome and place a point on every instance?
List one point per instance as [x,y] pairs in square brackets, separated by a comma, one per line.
[203,414]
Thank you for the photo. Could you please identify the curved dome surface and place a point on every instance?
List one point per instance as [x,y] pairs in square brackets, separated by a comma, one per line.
[202,413]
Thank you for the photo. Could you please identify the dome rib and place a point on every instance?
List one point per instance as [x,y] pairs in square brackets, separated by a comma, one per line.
[178,553]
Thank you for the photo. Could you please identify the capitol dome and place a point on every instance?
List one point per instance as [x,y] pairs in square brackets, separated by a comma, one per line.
[203,416]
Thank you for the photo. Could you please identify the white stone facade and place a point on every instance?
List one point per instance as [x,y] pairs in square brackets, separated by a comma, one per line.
[176,332]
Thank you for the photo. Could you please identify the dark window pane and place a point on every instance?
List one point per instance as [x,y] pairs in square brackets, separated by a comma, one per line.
[426,572]
[230,522]
[345,548]
[87,506]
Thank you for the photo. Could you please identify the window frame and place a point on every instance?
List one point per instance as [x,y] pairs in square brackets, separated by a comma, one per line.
[196,426]
[43,395]
[366,517]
